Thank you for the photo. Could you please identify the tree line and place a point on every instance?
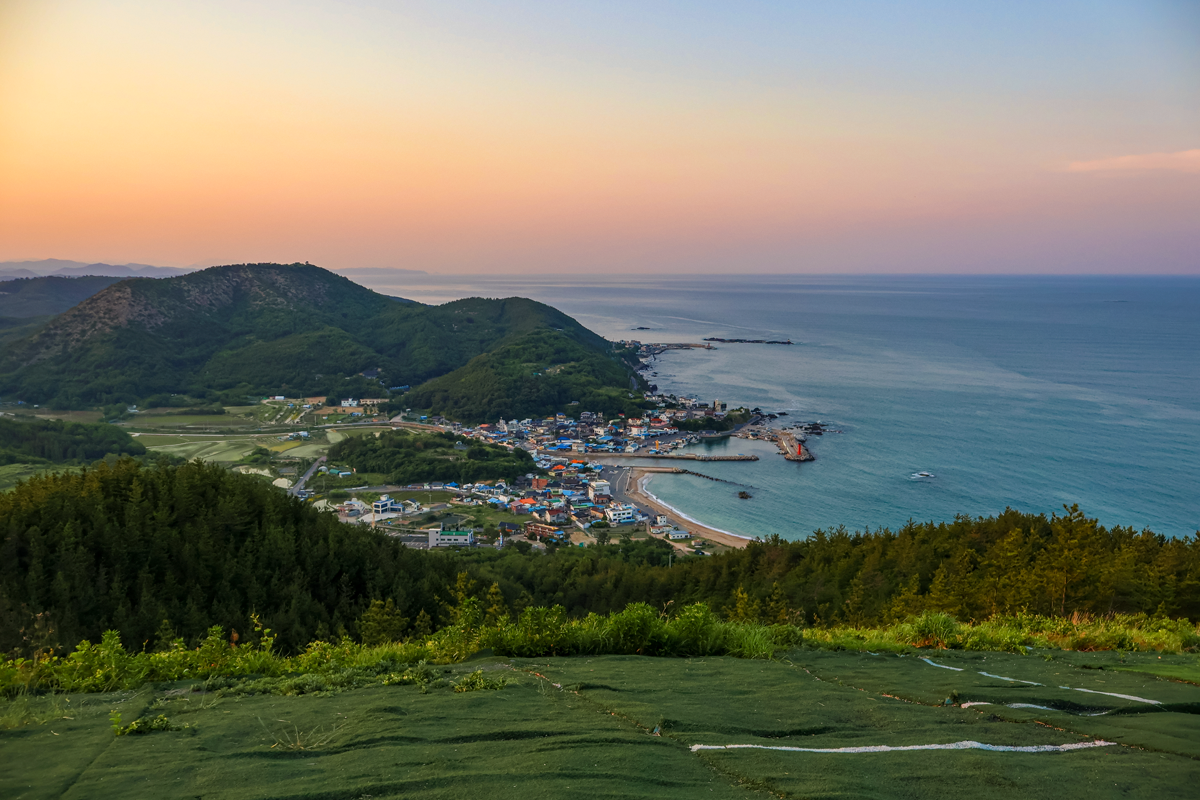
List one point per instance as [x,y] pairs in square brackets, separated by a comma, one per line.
[25,440]
[972,568]
[165,551]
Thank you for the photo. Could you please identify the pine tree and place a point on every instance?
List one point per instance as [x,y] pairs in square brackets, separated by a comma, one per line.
[423,626]
[382,623]
[744,609]
[496,612]
[776,611]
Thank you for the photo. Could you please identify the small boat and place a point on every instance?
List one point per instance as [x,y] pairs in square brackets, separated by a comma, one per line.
[916,476]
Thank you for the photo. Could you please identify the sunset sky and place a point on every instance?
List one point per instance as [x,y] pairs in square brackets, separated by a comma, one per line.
[571,137]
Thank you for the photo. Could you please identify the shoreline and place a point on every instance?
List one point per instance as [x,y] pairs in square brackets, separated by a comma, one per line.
[639,491]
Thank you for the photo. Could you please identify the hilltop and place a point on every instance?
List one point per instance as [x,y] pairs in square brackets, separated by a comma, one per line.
[226,332]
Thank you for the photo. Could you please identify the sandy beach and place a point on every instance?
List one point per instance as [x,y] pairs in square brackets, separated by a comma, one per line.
[642,495]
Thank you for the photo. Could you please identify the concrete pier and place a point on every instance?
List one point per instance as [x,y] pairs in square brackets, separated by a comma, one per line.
[794,450]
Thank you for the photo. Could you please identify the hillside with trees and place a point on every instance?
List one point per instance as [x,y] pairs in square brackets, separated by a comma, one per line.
[538,372]
[225,333]
[971,568]
[159,552]
[411,457]
[28,440]
[163,551]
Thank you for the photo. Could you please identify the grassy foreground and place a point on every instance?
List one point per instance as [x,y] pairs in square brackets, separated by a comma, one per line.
[544,706]
[629,726]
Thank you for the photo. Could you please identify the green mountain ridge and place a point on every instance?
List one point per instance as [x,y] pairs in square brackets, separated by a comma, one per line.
[295,329]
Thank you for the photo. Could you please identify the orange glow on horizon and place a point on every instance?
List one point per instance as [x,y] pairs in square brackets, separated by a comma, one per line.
[163,136]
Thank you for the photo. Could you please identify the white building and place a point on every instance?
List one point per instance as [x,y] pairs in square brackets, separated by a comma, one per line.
[620,515]
[451,538]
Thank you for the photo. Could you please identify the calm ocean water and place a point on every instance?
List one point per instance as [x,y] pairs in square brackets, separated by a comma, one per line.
[1014,391]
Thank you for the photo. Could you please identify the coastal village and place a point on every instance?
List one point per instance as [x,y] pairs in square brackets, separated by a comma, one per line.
[586,493]
[584,497]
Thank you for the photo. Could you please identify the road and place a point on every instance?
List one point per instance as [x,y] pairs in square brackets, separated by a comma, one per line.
[304,479]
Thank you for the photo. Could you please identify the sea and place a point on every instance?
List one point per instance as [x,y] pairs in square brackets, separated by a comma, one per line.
[1032,393]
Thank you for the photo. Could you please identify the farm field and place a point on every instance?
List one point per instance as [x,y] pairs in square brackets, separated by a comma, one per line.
[70,416]
[210,448]
[231,447]
[814,724]
[206,421]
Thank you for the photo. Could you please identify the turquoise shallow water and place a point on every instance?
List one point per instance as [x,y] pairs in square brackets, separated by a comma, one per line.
[1014,391]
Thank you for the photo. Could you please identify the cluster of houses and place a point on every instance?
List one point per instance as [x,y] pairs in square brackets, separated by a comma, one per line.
[592,433]
[573,496]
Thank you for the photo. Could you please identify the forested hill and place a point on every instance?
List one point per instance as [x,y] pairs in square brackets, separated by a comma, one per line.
[50,441]
[407,457]
[258,328]
[128,547]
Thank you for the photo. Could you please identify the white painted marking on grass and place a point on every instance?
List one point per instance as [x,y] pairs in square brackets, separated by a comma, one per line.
[883,748]
[1033,705]
[1012,680]
[1114,694]
[940,666]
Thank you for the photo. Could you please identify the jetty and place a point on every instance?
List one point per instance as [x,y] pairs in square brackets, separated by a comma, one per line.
[676,456]
[747,341]
[793,449]
[679,471]
[661,346]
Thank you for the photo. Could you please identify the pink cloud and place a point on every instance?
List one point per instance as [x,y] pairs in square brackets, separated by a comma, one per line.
[1183,161]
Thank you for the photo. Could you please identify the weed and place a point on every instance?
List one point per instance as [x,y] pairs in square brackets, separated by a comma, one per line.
[27,709]
[295,739]
[145,725]
[477,682]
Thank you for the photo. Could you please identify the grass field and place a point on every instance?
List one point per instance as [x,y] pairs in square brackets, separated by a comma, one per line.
[631,726]
[190,421]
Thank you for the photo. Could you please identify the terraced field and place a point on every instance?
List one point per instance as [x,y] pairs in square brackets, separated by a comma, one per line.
[210,448]
[815,724]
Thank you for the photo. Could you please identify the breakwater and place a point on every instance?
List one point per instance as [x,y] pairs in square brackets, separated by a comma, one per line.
[681,471]
[747,341]
[674,456]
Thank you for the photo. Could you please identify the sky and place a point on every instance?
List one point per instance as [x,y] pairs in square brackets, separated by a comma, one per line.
[623,137]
